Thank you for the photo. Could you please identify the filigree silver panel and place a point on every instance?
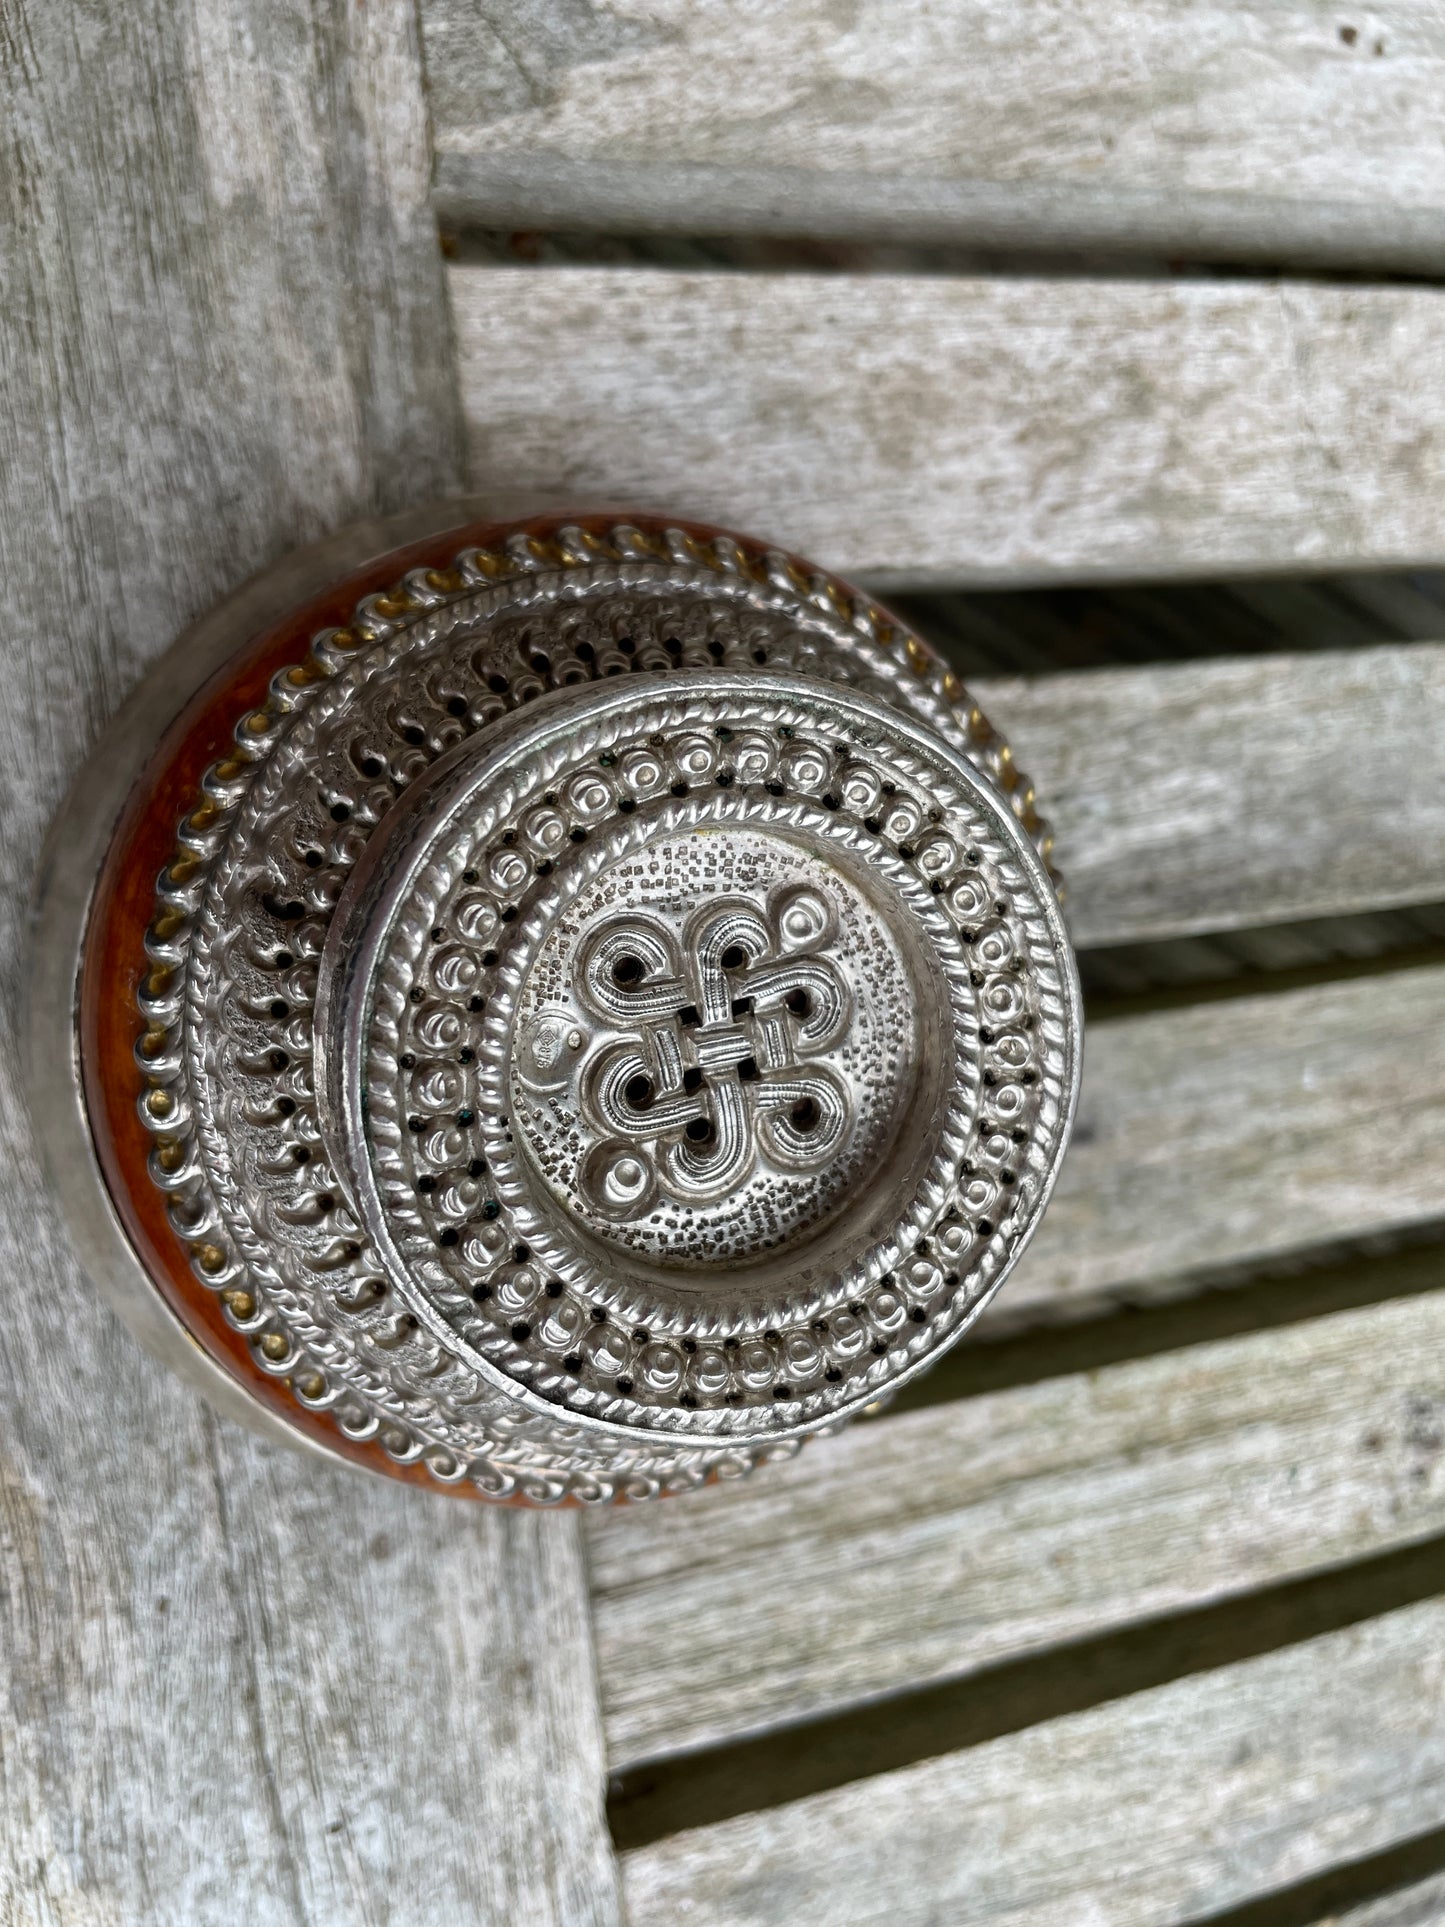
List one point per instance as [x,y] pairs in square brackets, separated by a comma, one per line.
[616,1026]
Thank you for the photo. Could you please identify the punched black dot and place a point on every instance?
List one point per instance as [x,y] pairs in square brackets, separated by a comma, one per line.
[416,737]
[627,971]
[799,1002]
[521,1332]
[700,1130]
[804,1115]
[340,813]
[456,706]
[447,1237]
[734,957]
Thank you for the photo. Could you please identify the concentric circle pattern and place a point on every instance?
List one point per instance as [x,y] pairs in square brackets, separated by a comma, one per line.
[611,1021]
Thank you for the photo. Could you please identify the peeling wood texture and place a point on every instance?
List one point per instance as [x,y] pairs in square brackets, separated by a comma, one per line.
[925,1547]
[914,428]
[1242,131]
[232,1685]
[1220,795]
[1161,1808]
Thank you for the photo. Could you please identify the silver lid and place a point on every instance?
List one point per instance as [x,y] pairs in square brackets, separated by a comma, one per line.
[599,1085]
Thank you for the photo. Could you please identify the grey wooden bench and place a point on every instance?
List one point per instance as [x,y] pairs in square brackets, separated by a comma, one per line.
[1127,1615]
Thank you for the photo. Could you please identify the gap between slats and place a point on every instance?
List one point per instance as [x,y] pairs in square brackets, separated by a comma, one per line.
[890,1585]
[1171,1804]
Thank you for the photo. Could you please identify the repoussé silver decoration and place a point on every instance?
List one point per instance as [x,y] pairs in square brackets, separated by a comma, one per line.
[616,1024]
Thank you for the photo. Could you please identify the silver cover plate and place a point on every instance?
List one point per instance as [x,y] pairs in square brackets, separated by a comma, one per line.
[597,1085]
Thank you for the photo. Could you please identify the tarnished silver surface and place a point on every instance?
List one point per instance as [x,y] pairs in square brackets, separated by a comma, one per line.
[586,1086]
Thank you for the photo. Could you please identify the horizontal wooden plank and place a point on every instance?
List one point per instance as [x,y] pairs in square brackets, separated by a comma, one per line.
[1247,130]
[1218,795]
[927,1546]
[974,430]
[1235,1130]
[1165,1807]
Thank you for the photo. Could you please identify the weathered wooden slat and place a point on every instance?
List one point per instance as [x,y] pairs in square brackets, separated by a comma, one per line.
[1247,131]
[1239,1129]
[1164,1807]
[974,430]
[1219,795]
[232,1685]
[931,1545]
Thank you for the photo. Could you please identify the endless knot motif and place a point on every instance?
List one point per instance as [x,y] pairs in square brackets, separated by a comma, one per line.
[718,1064]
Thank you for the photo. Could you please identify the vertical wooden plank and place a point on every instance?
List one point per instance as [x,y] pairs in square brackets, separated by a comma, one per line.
[232,1685]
